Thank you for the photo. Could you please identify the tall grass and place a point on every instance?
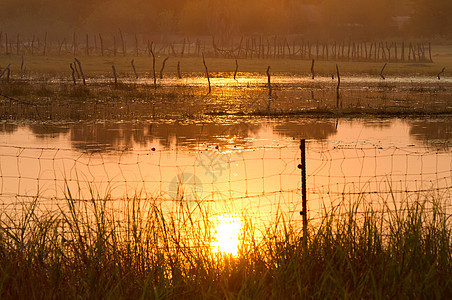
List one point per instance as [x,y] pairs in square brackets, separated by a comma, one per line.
[90,249]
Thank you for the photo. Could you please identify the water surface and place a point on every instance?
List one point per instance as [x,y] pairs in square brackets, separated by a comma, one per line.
[227,159]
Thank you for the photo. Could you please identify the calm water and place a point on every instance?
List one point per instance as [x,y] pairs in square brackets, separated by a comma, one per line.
[227,132]
[227,158]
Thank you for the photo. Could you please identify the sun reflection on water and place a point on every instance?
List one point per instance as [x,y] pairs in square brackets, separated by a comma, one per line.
[226,234]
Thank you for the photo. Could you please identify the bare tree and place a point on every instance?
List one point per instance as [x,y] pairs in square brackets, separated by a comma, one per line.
[223,20]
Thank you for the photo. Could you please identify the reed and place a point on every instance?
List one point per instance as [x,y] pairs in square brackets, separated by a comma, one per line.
[93,249]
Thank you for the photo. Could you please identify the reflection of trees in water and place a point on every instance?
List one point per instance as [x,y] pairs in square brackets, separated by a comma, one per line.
[380,124]
[8,127]
[217,134]
[307,129]
[94,137]
[106,136]
[434,133]
[45,131]
[101,137]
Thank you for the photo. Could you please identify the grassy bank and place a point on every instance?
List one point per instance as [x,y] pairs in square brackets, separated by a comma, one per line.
[97,65]
[87,250]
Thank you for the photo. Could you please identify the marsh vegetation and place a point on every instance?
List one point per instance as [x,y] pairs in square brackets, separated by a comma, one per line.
[87,250]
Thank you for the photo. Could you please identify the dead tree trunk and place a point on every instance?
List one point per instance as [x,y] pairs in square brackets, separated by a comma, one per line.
[114,46]
[101,44]
[163,67]
[269,82]
[87,45]
[45,45]
[5,70]
[76,70]
[123,43]
[382,69]
[183,49]
[134,70]
[22,68]
[312,68]
[60,46]
[81,71]
[207,72]
[73,74]
[338,86]
[179,75]
[396,58]
[402,55]
[6,44]
[18,45]
[136,45]
[114,74]
[439,74]
[153,64]
[74,44]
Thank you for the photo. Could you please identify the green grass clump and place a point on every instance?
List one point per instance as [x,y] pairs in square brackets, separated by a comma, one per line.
[90,250]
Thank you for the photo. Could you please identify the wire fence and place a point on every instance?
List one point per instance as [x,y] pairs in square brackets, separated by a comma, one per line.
[259,181]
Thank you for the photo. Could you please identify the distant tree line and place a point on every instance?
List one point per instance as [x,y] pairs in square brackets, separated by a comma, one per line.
[357,19]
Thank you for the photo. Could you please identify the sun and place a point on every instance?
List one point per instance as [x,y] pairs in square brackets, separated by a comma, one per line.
[226,234]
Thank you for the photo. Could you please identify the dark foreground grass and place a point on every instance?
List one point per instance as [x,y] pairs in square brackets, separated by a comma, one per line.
[87,251]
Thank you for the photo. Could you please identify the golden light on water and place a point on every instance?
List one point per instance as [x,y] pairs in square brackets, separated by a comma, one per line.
[226,235]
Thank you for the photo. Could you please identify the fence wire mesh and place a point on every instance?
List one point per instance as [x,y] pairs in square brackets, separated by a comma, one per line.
[261,181]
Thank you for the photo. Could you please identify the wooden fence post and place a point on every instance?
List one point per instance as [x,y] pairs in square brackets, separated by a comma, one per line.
[303,211]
